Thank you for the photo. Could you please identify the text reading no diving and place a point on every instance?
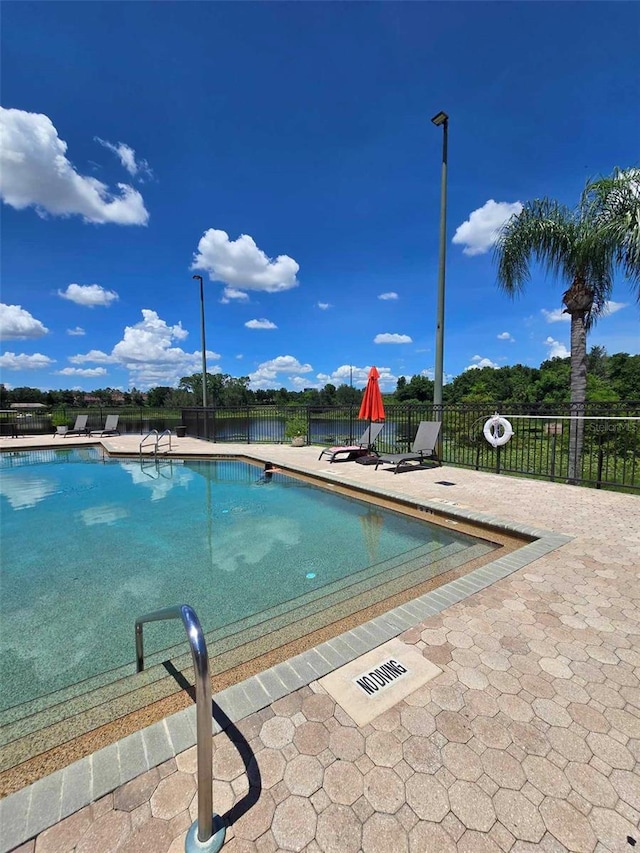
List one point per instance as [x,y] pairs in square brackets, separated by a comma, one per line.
[380,677]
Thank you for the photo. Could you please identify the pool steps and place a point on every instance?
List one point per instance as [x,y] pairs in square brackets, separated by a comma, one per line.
[36,807]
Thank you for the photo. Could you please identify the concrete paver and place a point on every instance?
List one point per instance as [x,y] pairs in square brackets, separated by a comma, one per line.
[529,740]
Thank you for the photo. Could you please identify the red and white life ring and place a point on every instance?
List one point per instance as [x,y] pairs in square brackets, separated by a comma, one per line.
[497,431]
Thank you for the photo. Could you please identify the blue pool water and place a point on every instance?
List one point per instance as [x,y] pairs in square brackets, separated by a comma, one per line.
[89,544]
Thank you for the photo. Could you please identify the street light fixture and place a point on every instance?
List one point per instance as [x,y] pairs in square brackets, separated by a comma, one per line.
[441,119]
[204,353]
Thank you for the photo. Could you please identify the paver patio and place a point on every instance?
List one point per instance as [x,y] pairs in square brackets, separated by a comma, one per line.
[529,740]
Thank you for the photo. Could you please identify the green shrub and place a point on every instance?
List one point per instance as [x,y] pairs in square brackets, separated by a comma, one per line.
[295,426]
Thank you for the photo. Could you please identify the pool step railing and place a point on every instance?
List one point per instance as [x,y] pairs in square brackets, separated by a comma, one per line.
[208,831]
[156,437]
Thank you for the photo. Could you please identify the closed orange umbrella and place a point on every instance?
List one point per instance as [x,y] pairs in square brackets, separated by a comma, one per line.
[372,408]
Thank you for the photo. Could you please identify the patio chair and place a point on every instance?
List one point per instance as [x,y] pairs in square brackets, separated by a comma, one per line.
[351,451]
[79,427]
[110,427]
[423,447]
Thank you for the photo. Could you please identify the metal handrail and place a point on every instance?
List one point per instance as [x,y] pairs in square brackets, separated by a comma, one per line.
[164,432]
[158,436]
[204,826]
[148,435]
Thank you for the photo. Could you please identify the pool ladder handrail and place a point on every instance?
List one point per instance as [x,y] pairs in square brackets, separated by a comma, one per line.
[158,438]
[203,835]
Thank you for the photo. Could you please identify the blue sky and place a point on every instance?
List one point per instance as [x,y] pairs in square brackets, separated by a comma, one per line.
[284,151]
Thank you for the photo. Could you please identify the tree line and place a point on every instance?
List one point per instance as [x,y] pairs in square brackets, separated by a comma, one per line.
[610,378]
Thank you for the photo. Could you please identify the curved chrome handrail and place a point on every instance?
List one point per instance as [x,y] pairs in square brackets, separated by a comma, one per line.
[164,432]
[148,435]
[158,436]
[204,744]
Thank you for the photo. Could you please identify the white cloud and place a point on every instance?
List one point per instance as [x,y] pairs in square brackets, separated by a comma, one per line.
[390,295]
[557,315]
[127,157]
[233,294]
[242,265]
[94,355]
[611,307]
[35,172]
[146,351]
[324,305]
[18,324]
[11,361]
[479,232]
[430,373]
[348,373]
[268,374]
[89,295]
[82,371]
[77,332]
[148,339]
[506,336]
[478,362]
[556,349]
[388,338]
[345,374]
[260,324]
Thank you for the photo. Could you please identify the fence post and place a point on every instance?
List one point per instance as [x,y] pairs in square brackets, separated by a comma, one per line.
[552,475]
[498,449]
[600,460]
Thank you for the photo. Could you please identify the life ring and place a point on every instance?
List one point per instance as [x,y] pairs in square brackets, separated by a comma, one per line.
[497,431]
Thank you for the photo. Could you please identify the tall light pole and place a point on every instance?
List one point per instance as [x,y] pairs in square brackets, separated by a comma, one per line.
[441,120]
[204,354]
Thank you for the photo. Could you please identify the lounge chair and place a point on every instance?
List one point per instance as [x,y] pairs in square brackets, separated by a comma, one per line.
[423,447]
[79,428]
[352,451]
[110,427]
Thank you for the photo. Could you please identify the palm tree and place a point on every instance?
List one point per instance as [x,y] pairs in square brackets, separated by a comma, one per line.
[582,247]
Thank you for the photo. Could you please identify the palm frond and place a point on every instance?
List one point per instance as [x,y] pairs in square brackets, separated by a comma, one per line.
[544,230]
[612,205]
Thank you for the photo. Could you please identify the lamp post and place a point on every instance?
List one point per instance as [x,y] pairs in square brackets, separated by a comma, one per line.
[204,355]
[441,120]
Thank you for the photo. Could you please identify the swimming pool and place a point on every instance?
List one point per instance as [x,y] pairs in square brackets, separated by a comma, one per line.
[90,543]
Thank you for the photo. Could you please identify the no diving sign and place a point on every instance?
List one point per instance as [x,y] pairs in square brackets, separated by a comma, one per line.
[376,681]
[381,676]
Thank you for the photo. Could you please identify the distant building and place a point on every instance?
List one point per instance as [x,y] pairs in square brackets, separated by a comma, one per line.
[28,407]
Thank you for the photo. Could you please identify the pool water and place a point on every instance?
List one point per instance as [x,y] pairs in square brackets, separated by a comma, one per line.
[90,543]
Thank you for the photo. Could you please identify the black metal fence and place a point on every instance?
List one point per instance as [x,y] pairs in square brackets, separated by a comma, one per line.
[131,419]
[539,447]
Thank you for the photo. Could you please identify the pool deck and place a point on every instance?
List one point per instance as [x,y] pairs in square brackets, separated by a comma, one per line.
[528,741]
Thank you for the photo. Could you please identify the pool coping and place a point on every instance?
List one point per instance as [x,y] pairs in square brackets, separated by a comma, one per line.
[44,803]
